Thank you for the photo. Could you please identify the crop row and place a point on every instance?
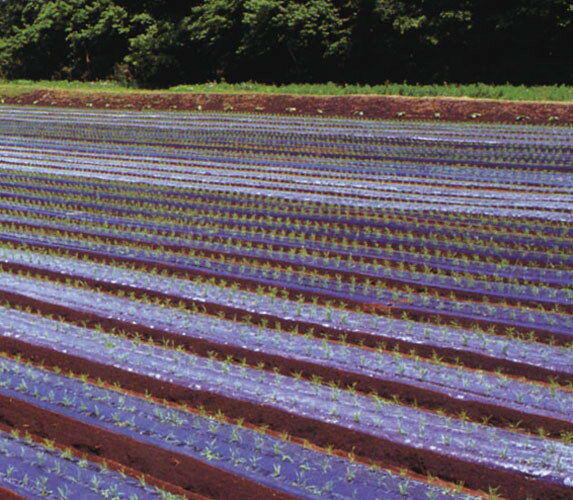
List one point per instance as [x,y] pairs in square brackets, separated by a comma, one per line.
[381,371]
[281,137]
[392,428]
[231,306]
[340,266]
[363,328]
[411,230]
[554,325]
[555,211]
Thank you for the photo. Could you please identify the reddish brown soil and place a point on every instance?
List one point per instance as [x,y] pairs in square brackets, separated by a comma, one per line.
[499,415]
[193,478]
[468,358]
[498,325]
[205,479]
[9,495]
[366,106]
[16,413]
[108,464]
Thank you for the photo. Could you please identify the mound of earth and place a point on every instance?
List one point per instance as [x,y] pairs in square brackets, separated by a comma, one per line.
[366,106]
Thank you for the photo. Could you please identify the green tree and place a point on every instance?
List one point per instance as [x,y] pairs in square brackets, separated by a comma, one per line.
[152,58]
[34,45]
[64,38]
[212,33]
[97,38]
[294,40]
[160,42]
[522,41]
[428,38]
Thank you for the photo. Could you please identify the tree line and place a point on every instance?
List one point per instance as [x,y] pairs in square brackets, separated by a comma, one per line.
[157,43]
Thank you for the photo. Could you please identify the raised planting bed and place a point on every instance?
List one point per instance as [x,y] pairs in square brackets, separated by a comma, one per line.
[251,306]
[375,428]
[501,245]
[342,267]
[247,235]
[549,325]
[222,205]
[427,382]
[201,450]
[533,360]
[35,471]
[506,234]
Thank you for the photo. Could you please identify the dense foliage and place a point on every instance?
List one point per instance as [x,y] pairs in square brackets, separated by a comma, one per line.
[159,42]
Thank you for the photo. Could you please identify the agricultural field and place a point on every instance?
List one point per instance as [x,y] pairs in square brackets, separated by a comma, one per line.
[218,305]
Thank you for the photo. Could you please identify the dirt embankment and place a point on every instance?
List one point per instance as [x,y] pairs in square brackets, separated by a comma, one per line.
[366,106]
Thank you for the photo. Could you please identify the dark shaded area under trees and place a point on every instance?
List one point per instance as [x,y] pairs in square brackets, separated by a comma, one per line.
[156,43]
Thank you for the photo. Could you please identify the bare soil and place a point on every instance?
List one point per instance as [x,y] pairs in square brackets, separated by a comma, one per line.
[365,106]
[468,358]
[499,415]
[6,494]
[197,477]
[180,474]
[201,479]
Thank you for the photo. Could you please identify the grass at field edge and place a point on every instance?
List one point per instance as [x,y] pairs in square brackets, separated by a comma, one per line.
[548,93]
